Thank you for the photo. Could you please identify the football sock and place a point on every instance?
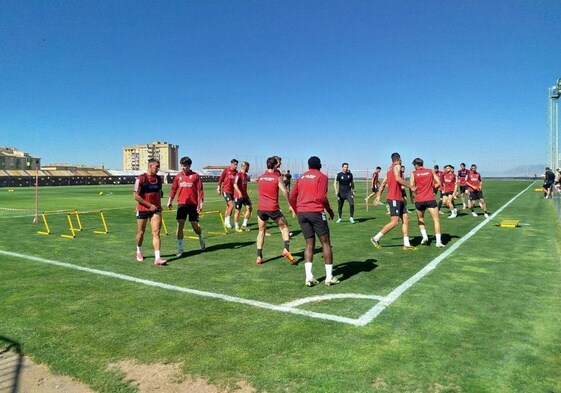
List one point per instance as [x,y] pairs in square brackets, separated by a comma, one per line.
[157,254]
[328,272]
[180,244]
[438,237]
[138,249]
[406,241]
[378,236]
[287,245]
[308,269]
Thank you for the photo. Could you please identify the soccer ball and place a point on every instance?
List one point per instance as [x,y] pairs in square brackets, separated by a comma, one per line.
[101,193]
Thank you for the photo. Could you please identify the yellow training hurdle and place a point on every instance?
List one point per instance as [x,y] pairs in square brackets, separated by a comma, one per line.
[74,222]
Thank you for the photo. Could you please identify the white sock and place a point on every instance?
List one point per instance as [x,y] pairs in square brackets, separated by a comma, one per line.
[180,244]
[244,222]
[227,220]
[438,238]
[378,236]
[424,234]
[308,270]
[237,226]
[406,241]
[157,254]
[328,272]
[138,249]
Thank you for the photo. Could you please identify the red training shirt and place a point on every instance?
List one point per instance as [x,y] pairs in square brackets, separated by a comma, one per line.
[394,188]
[424,182]
[241,181]
[189,189]
[268,191]
[226,179]
[309,194]
[449,182]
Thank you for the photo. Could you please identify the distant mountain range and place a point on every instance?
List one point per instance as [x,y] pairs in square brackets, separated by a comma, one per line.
[521,171]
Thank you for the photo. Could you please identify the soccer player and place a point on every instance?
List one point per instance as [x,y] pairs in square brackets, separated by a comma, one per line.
[475,185]
[148,194]
[450,190]
[549,179]
[287,178]
[345,191]
[188,186]
[309,200]
[394,181]
[425,181]
[226,188]
[241,198]
[462,176]
[268,186]
[375,183]
[439,190]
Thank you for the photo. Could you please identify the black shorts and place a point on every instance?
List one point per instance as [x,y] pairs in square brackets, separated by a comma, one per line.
[146,215]
[313,224]
[187,210]
[475,195]
[375,189]
[263,215]
[239,202]
[422,206]
[346,197]
[397,208]
[444,194]
[547,185]
[228,196]
[463,189]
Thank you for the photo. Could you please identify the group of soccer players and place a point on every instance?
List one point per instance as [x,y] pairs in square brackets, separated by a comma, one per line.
[308,201]
[424,186]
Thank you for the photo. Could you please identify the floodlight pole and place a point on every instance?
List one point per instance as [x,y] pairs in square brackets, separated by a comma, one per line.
[553,124]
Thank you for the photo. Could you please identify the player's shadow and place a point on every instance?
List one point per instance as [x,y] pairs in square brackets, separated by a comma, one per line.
[364,219]
[446,238]
[215,247]
[295,233]
[346,270]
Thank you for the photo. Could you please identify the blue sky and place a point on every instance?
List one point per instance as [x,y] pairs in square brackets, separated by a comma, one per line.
[447,81]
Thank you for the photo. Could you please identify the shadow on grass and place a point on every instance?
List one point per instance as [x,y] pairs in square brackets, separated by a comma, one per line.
[11,364]
[215,247]
[350,269]
[446,238]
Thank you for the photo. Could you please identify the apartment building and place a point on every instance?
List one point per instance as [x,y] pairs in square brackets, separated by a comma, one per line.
[136,157]
[14,159]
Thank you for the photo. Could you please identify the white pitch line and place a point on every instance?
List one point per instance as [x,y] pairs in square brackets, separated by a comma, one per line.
[370,315]
[255,303]
[384,301]
[320,298]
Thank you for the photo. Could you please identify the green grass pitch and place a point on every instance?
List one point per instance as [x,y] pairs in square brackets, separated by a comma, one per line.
[481,315]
